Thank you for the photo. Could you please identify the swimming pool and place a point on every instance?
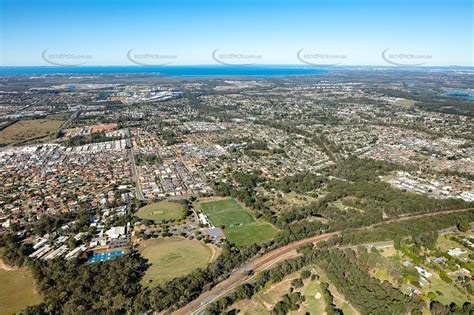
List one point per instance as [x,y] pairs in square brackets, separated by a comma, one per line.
[105,256]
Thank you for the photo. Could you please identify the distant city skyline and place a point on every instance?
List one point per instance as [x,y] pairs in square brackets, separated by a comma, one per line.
[204,32]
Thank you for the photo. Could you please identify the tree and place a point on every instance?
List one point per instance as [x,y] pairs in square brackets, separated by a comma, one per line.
[431,296]
[464,226]
[297,283]
[305,274]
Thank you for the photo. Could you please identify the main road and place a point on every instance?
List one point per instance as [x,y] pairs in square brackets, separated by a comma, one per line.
[266,261]
[138,187]
[241,275]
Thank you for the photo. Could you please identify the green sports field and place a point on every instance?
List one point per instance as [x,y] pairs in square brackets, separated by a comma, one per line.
[17,290]
[226,212]
[239,226]
[248,234]
[163,210]
[173,257]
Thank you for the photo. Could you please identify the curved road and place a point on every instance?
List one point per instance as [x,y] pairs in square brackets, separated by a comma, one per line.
[266,261]
[239,276]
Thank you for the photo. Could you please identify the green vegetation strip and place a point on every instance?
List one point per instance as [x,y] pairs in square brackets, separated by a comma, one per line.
[402,229]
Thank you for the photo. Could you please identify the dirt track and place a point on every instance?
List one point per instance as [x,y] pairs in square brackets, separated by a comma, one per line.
[264,262]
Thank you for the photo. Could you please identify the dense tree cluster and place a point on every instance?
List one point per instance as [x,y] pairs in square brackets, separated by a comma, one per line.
[367,294]
[331,308]
[298,231]
[171,137]
[144,159]
[392,201]
[344,270]
[247,290]
[92,138]
[406,228]
[74,287]
[363,169]
[256,145]
[289,302]
[456,107]
[436,308]
[14,252]
[301,183]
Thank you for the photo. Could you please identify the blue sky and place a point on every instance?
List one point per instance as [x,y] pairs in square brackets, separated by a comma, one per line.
[99,32]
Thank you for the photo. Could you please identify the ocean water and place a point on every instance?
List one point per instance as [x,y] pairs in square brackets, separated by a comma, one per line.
[461,95]
[167,71]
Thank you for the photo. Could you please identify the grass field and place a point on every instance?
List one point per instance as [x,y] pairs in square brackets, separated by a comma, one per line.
[450,292]
[163,210]
[295,199]
[240,227]
[247,234]
[226,212]
[388,251]
[339,299]
[289,200]
[263,302]
[16,290]
[445,243]
[29,129]
[173,257]
[406,102]
[314,301]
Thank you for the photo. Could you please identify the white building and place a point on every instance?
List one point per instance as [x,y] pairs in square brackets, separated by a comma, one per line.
[115,232]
